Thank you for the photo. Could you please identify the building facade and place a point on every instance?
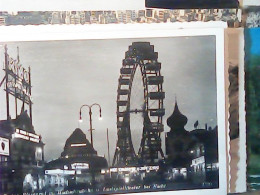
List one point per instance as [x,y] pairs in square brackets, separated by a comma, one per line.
[192,156]
[78,167]
[23,156]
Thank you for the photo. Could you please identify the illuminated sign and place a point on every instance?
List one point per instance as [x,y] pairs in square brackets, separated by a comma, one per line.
[26,136]
[131,169]
[59,172]
[127,169]
[198,161]
[16,68]
[4,146]
[212,166]
[18,80]
[80,166]
[77,145]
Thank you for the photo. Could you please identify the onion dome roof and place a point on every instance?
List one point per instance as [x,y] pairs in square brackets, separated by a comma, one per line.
[177,120]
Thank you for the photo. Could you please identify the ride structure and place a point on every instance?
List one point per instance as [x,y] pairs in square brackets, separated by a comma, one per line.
[140,55]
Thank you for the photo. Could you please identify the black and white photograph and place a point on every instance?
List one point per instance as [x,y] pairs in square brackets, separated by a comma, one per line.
[110,116]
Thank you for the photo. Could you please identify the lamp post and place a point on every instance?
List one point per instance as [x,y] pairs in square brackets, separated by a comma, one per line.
[91,135]
[90,117]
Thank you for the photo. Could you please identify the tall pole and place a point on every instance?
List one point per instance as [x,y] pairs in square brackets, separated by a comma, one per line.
[30,92]
[18,61]
[6,83]
[90,126]
[16,114]
[108,149]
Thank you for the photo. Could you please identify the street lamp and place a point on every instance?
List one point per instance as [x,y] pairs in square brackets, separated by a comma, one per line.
[90,117]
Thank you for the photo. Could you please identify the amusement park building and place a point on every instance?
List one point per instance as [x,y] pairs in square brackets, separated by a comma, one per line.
[79,166]
[191,155]
[21,157]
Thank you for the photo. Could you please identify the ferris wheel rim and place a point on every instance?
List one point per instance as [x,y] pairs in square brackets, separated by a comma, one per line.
[127,74]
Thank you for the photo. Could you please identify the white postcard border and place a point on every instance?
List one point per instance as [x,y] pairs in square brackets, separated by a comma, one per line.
[71,32]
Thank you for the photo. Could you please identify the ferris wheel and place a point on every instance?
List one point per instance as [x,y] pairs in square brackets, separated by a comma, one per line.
[140,55]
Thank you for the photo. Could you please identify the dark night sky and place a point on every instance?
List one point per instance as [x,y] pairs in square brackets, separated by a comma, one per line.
[67,74]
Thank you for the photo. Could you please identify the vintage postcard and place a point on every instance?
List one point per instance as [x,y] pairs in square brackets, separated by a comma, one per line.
[231,16]
[106,110]
[76,5]
[188,4]
[252,15]
[252,51]
[235,93]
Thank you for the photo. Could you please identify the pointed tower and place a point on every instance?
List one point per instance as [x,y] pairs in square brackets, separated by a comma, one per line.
[178,140]
[79,165]
[78,150]
[77,145]
[177,120]
[23,121]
